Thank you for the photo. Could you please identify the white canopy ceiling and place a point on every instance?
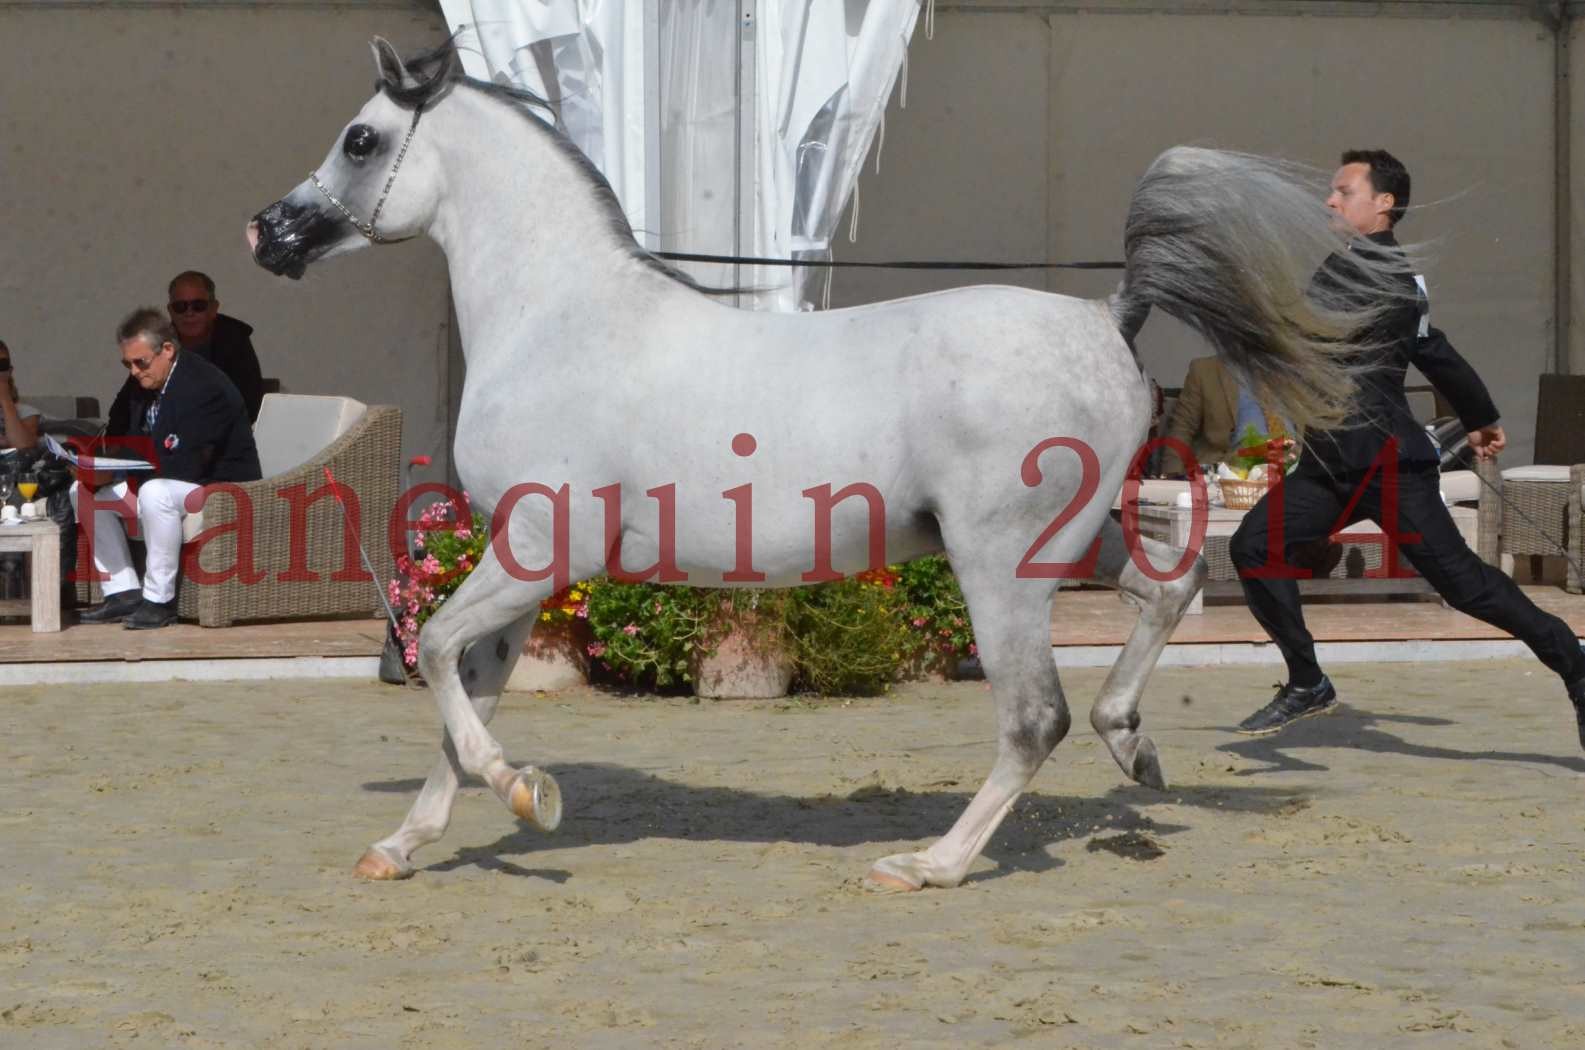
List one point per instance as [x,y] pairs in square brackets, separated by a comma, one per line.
[731,127]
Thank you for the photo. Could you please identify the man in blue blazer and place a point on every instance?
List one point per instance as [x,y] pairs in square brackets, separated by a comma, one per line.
[183,414]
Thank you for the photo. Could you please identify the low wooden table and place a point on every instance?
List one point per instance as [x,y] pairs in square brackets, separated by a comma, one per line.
[41,541]
[1172,525]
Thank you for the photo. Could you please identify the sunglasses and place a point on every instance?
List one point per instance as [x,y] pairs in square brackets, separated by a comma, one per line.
[139,364]
[182,306]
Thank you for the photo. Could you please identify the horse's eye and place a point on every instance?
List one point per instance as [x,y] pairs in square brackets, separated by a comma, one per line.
[362,140]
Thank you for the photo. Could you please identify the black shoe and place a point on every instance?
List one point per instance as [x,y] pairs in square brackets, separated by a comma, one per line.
[150,615]
[1289,705]
[1576,695]
[117,606]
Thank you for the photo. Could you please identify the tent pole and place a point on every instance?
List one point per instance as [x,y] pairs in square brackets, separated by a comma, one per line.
[1563,204]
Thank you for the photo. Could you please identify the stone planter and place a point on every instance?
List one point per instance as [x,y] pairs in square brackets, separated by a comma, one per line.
[556,656]
[749,662]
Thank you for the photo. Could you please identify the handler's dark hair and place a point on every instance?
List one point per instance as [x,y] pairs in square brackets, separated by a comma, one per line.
[155,328]
[193,275]
[1387,175]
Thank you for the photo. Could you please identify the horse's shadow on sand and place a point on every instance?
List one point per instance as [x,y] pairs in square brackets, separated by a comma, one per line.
[614,805]
[1352,728]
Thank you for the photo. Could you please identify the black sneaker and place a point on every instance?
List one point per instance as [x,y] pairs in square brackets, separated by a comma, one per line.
[117,606]
[1289,705]
[150,615]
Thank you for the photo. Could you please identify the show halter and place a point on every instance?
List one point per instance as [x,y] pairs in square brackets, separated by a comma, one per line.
[367,228]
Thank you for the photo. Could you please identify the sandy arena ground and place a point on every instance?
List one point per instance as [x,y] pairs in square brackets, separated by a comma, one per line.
[174,873]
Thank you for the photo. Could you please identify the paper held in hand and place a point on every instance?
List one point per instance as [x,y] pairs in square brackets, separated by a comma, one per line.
[109,464]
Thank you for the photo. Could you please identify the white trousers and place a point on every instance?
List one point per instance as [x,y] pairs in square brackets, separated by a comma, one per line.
[160,512]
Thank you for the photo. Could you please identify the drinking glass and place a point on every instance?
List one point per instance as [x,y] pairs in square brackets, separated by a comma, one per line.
[28,486]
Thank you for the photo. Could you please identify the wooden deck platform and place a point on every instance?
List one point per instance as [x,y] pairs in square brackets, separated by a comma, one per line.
[1083,619]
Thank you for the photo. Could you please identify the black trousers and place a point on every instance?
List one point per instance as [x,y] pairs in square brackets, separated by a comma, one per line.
[1308,506]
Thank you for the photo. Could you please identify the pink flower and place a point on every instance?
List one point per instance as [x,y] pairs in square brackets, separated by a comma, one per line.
[430,565]
[630,629]
[920,621]
[974,650]
[464,533]
[583,612]
[596,648]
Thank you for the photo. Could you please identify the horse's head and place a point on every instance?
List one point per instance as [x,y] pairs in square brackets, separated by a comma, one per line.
[377,184]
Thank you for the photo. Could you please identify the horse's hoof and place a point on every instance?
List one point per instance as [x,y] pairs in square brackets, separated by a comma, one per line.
[379,866]
[1147,765]
[894,875]
[536,798]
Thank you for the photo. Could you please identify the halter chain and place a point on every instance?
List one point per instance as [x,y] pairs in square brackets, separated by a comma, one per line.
[367,228]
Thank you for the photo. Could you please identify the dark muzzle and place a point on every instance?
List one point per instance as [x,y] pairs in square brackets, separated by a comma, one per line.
[287,237]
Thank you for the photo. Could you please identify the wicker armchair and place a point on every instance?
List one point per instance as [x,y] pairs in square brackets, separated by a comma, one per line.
[1576,528]
[366,458]
[1537,512]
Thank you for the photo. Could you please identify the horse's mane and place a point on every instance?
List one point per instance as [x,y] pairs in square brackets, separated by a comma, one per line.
[430,75]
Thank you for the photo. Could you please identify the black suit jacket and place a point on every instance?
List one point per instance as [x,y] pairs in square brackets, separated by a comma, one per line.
[230,349]
[202,433]
[1381,411]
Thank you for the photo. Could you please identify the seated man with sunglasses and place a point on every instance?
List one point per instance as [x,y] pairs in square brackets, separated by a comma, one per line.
[183,415]
[223,341]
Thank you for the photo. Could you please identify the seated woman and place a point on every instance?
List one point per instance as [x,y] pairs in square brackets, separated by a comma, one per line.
[19,423]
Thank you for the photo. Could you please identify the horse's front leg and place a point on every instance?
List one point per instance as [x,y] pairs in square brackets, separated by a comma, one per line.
[1115,714]
[485,668]
[1012,629]
[488,601]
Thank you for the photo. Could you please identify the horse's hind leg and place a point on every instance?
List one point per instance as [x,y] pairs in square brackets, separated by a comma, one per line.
[485,668]
[1115,715]
[1012,626]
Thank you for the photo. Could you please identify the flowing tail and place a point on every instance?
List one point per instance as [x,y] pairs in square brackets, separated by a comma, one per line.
[1229,243]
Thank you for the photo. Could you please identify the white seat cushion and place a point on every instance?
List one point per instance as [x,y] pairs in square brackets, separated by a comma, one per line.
[192,525]
[1461,486]
[1536,473]
[293,428]
[1156,490]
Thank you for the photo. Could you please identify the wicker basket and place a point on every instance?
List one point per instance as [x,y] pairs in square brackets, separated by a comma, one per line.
[1241,495]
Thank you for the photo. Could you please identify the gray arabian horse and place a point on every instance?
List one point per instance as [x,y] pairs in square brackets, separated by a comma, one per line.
[971,420]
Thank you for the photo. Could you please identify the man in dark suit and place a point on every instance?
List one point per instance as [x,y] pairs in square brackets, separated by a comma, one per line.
[223,341]
[1381,466]
[187,418]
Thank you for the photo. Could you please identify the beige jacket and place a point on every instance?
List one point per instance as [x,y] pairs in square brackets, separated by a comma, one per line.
[1204,415]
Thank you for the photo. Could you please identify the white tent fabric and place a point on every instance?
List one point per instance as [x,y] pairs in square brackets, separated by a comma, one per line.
[825,70]
[594,55]
[650,90]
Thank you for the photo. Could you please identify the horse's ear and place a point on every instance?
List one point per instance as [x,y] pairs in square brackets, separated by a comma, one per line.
[388,63]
